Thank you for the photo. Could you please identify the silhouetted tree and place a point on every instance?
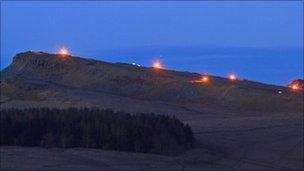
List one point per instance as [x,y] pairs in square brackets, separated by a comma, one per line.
[94,128]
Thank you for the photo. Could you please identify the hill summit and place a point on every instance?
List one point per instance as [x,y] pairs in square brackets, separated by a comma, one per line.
[38,79]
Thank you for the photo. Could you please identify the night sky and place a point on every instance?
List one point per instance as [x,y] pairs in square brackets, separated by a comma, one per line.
[260,41]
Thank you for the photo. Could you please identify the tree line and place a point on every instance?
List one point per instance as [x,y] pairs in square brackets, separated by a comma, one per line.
[94,128]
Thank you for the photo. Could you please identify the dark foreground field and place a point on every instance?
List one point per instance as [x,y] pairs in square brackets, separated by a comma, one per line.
[234,143]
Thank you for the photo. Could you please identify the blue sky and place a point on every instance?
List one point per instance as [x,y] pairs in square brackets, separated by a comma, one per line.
[90,28]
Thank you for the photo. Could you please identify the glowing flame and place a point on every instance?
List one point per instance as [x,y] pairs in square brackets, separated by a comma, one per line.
[157,65]
[295,87]
[64,52]
[203,79]
[232,77]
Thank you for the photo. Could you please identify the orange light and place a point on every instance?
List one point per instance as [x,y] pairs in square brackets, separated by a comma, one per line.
[157,65]
[205,79]
[232,77]
[295,87]
[64,52]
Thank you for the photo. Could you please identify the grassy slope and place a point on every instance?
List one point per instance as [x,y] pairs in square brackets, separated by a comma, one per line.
[37,77]
[243,125]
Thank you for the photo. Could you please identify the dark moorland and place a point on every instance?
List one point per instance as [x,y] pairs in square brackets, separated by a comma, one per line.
[237,125]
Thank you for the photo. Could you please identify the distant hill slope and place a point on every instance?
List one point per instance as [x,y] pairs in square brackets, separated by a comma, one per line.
[41,79]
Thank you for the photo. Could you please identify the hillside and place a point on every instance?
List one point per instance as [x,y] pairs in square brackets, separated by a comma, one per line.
[238,125]
[41,79]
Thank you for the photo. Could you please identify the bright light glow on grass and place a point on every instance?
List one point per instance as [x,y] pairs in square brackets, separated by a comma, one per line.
[64,52]
[232,77]
[295,87]
[203,79]
[157,65]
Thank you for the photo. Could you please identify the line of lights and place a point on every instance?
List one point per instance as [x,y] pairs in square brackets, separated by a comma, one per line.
[64,53]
